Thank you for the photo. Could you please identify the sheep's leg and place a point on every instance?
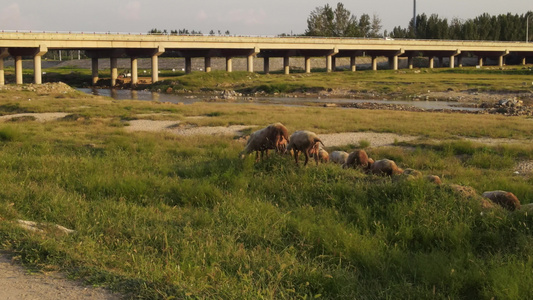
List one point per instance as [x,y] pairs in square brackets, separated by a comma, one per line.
[256,156]
[266,153]
[306,157]
[296,155]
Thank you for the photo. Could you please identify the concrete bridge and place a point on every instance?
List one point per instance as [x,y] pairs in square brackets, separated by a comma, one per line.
[134,46]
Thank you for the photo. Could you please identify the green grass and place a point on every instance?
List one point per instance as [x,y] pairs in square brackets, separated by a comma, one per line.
[159,216]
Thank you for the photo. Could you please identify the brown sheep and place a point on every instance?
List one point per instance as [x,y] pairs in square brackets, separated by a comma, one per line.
[306,142]
[274,136]
[323,155]
[357,159]
[434,179]
[339,157]
[505,199]
[385,167]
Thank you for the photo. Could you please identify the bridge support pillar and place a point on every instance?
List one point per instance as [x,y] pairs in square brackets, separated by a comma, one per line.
[94,65]
[37,71]
[431,62]
[134,71]
[266,65]
[3,54]
[307,64]
[452,58]
[329,63]
[114,70]
[18,69]
[480,61]
[207,64]
[353,66]
[410,62]
[502,58]
[286,65]
[188,65]
[155,63]
[523,63]
[229,64]
[250,63]
[374,63]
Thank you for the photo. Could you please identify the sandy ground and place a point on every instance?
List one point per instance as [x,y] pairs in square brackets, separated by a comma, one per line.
[16,283]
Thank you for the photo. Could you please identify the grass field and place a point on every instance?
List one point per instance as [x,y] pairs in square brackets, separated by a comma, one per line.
[160,216]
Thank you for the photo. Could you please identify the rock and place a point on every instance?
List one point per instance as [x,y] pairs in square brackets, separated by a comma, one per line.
[505,199]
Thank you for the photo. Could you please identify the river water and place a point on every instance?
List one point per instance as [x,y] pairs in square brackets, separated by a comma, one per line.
[287,101]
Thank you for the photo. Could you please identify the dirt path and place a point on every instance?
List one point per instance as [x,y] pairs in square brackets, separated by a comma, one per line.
[16,283]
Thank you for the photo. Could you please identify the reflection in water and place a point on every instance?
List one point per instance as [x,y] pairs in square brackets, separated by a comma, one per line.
[188,99]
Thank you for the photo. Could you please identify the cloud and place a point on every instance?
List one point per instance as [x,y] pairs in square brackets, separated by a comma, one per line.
[12,19]
[244,16]
[131,11]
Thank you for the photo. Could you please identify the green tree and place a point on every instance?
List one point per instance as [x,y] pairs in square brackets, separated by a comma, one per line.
[325,21]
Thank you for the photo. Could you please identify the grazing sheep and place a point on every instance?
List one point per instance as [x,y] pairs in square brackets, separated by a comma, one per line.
[469,193]
[357,159]
[385,167]
[434,179]
[323,155]
[339,157]
[304,141]
[505,199]
[412,172]
[274,136]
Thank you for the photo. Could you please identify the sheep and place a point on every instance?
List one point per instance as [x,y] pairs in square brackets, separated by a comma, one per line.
[385,167]
[356,159]
[505,199]
[323,155]
[434,179]
[304,141]
[274,136]
[339,157]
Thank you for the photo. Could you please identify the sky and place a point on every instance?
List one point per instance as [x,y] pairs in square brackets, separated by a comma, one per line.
[250,17]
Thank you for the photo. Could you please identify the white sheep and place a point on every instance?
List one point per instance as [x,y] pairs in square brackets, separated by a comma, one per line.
[306,142]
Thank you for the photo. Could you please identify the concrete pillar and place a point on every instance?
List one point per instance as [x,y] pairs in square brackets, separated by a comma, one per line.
[207,64]
[250,63]
[2,76]
[134,71]
[286,66]
[229,65]
[329,63]
[480,61]
[431,62]
[188,65]
[18,69]
[266,65]
[410,62]
[94,63]
[523,62]
[37,72]
[374,63]
[3,54]
[452,61]
[353,66]
[501,61]
[155,68]
[307,64]
[114,70]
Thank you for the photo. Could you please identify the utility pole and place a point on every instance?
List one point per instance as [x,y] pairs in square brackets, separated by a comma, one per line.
[414,15]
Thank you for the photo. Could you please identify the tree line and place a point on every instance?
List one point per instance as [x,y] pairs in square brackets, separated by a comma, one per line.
[185,32]
[327,21]
[503,27]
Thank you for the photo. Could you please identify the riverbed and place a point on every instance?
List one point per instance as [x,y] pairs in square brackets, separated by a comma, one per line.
[120,94]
